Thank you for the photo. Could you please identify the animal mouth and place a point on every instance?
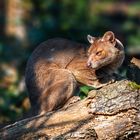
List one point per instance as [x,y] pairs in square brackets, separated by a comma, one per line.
[92,65]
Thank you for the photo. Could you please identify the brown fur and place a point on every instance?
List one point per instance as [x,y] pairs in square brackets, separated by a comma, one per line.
[57,65]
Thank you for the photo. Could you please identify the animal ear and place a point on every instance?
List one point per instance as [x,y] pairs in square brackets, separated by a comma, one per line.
[119,43]
[90,39]
[109,36]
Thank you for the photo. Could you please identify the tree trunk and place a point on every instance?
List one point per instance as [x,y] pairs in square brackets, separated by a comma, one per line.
[109,113]
[14,19]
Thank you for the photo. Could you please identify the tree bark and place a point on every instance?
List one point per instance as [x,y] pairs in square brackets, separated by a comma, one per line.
[109,113]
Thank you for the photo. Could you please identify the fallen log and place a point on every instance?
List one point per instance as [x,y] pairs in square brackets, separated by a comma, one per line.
[112,112]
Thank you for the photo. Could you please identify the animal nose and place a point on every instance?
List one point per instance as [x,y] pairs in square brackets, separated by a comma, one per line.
[88,64]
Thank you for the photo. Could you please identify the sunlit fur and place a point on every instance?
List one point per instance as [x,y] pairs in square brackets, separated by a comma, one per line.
[103,51]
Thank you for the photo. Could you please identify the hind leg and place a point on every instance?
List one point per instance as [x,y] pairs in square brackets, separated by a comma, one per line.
[59,87]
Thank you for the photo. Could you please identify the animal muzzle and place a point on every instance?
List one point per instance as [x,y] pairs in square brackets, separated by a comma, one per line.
[90,63]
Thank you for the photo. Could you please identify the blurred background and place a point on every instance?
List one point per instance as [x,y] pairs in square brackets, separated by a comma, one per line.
[26,23]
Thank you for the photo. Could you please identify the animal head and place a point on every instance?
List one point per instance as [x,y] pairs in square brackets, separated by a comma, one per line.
[103,50]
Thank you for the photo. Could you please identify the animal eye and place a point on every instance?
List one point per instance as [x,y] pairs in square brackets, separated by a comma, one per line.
[99,53]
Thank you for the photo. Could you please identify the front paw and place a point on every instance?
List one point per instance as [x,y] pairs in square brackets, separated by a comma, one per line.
[96,84]
[102,82]
[111,79]
[108,79]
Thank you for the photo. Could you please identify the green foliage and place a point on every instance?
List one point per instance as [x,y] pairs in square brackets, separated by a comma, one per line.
[10,104]
[84,90]
[134,85]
